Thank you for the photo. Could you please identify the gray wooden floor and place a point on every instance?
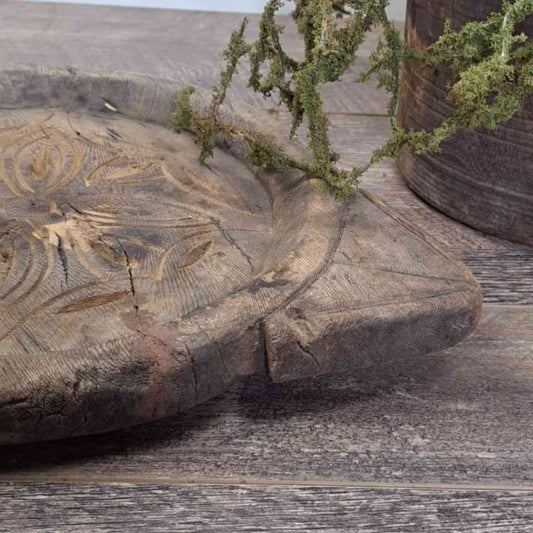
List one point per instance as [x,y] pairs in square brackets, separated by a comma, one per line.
[443,443]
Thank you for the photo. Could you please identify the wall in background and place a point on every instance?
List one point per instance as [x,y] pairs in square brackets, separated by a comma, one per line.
[396,9]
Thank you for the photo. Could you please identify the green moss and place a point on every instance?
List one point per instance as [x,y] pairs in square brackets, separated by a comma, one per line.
[491,64]
[183,114]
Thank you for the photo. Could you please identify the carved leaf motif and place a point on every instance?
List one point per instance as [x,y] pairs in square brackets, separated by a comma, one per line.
[106,251]
[93,301]
[119,167]
[194,254]
[38,159]
[127,171]
[41,163]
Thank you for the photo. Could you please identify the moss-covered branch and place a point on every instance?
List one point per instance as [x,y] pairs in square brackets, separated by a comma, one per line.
[207,127]
[491,64]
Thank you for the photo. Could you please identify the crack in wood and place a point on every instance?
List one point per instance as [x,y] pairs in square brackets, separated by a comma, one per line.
[232,241]
[263,343]
[308,353]
[193,368]
[130,276]
[326,263]
[62,256]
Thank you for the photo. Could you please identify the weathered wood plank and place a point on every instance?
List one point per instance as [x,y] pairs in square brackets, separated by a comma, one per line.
[463,415]
[153,41]
[56,508]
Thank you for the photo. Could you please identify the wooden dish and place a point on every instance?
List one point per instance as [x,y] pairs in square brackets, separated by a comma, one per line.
[136,283]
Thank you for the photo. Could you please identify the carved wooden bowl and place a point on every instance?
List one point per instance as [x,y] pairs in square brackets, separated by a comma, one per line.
[136,282]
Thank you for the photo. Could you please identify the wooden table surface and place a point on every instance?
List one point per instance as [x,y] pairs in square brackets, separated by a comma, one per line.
[442,443]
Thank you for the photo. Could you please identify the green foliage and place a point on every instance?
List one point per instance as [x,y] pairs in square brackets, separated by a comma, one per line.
[183,116]
[386,62]
[206,128]
[261,151]
[492,68]
[490,62]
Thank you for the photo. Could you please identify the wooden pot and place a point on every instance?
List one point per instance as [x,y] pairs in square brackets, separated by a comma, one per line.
[136,282]
[482,178]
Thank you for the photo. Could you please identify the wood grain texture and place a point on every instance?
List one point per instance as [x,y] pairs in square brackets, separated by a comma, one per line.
[462,416]
[503,268]
[98,37]
[103,38]
[140,282]
[56,508]
[481,178]
[459,416]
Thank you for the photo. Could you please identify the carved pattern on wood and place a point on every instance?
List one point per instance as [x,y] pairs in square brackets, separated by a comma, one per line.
[80,203]
[138,282]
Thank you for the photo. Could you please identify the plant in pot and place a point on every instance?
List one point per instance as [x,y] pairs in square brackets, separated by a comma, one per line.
[482,177]
[462,132]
